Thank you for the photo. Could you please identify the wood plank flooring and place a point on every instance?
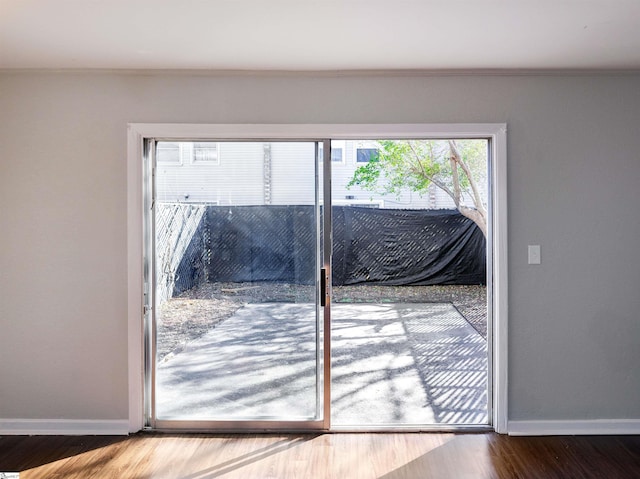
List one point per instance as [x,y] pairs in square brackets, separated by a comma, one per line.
[342,456]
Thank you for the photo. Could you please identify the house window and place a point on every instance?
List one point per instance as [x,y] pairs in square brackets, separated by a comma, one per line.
[365,150]
[204,153]
[169,152]
[365,155]
[179,153]
[337,151]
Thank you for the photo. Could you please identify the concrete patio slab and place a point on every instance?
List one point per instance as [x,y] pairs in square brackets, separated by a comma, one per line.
[392,364]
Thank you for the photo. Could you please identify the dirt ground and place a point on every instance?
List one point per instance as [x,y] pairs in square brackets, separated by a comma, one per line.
[193,313]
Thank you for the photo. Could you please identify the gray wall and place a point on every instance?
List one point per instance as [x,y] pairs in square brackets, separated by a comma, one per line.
[574,171]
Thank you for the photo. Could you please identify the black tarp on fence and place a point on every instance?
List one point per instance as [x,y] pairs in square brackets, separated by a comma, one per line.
[382,246]
[406,247]
[262,243]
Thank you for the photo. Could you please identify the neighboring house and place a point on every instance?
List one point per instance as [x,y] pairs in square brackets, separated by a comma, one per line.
[273,174]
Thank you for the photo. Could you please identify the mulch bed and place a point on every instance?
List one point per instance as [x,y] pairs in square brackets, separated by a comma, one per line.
[193,313]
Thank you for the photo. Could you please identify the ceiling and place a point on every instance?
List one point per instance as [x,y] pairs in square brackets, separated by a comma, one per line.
[319,35]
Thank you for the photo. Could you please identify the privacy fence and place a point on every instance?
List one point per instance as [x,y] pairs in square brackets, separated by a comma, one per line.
[277,243]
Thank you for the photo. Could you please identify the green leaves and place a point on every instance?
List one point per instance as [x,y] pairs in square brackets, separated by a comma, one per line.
[368,175]
[458,167]
[415,164]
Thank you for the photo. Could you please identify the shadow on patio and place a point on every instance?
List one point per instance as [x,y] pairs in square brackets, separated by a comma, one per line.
[392,364]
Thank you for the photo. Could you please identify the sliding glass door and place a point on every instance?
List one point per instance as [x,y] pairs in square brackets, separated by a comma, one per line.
[238,275]
[310,284]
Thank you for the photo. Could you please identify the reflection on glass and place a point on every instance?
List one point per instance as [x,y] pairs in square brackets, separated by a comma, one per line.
[236,257]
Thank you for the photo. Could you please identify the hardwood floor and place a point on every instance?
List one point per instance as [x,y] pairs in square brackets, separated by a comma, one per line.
[342,456]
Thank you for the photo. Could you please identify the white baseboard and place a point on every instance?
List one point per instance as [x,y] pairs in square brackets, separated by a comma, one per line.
[594,427]
[63,427]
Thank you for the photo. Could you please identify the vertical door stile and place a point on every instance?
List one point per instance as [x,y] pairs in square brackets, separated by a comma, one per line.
[154,326]
[148,287]
[326,266]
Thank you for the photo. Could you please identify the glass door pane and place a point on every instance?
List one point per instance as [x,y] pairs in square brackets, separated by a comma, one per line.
[237,258]
[409,313]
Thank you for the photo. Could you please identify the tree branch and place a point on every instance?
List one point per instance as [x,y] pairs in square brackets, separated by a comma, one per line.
[456,178]
[443,187]
[477,199]
[479,213]
[416,155]
[424,173]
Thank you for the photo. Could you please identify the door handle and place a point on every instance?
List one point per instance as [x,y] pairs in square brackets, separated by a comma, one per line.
[324,294]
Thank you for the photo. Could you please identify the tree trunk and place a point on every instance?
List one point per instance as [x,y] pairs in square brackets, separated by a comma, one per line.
[478,214]
[476,217]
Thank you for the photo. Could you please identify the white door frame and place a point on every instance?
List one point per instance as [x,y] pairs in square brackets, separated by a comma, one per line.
[497,244]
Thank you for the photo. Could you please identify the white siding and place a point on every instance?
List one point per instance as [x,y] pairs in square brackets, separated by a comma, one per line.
[237,178]
[293,173]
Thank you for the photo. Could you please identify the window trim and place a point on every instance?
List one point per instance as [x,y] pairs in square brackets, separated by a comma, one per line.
[497,252]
